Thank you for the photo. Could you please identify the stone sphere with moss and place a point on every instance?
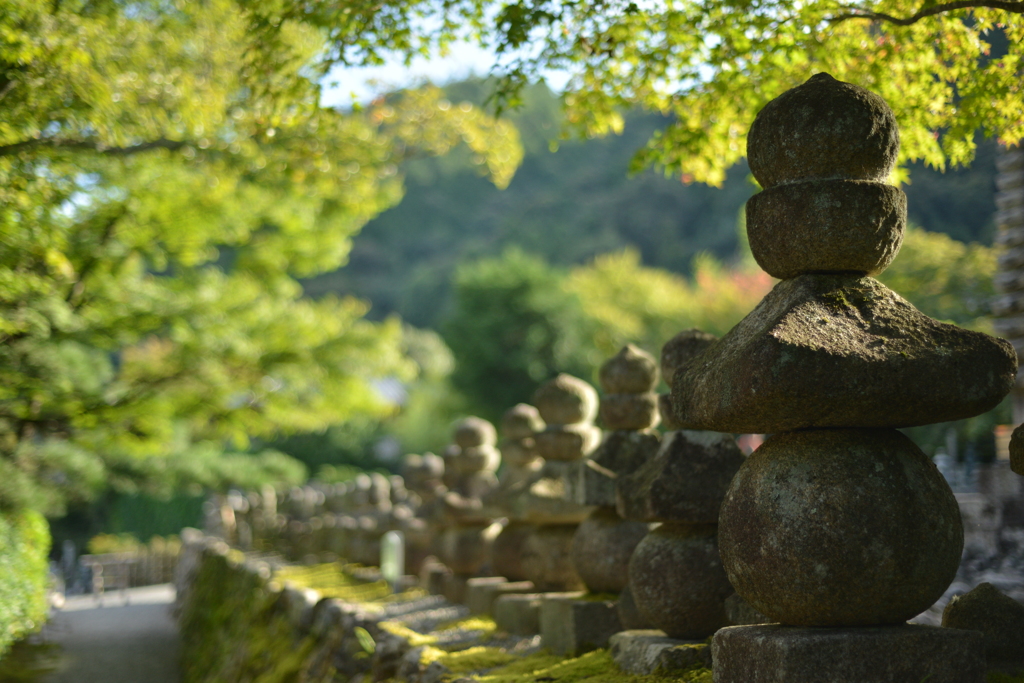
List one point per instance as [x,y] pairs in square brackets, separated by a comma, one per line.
[840,527]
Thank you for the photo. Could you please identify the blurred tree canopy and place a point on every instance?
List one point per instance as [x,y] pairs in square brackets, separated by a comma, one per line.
[166,175]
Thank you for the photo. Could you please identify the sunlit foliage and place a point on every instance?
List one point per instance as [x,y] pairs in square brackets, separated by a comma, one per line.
[166,175]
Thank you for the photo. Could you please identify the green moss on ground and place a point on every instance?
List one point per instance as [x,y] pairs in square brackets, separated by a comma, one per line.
[592,667]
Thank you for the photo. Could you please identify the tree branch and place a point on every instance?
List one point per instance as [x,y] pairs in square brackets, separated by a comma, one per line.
[74,296]
[856,13]
[90,146]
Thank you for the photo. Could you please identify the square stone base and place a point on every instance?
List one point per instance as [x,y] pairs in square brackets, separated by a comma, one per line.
[571,626]
[518,614]
[481,593]
[646,651]
[455,588]
[885,654]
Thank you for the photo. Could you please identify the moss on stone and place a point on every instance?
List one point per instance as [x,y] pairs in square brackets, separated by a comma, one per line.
[414,638]
[474,659]
[592,667]
[483,624]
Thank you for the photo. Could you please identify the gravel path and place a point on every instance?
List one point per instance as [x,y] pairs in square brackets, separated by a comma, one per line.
[129,638]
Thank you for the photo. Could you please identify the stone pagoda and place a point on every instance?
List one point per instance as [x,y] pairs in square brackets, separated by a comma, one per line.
[470,466]
[568,406]
[605,541]
[676,580]
[838,520]
[519,427]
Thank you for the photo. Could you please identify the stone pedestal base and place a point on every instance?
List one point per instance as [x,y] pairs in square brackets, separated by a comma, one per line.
[645,651]
[481,593]
[571,626]
[455,588]
[887,654]
[518,614]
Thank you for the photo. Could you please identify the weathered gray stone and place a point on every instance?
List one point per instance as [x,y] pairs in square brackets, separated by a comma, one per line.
[481,594]
[852,527]
[629,614]
[631,371]
[519,614]
[647,651]
[507,550]
[667,413]
[999,617]
[624,451]
[566,400]
[567,442]
[841,351]
[636,650]
[593,484]
[893,654]
[823,129]
[620,453]
[677,580]
[475,589]
[432,577]
[547,558]
[475,431]
[1017,450]
[629,411]
[573,625]
[826,226]
[521,421]
[684,656]
[680,350]
[685,481]
[466,547]
[739,613]
[601,549]
[455,587]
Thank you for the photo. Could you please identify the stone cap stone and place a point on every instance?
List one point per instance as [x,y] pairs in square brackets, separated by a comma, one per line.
[565,399]
[631,371]
[475,431]
[823,129]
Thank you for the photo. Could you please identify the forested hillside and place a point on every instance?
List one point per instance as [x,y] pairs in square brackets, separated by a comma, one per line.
[569,205]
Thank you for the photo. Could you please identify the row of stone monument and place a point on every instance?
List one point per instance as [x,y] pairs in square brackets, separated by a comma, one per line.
[837,530]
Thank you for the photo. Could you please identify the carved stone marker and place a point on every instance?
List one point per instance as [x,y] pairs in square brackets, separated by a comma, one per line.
[845,523]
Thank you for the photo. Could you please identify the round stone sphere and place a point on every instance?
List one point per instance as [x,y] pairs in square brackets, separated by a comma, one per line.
[631,371]
[601,549]
[823,129]
[840,527]
[677,580]
[566,400]
[547,560]
[521,421]
[826,226]
[507,551]
[475,431]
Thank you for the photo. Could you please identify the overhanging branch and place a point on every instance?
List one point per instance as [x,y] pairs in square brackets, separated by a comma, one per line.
[856,13]
[90,146]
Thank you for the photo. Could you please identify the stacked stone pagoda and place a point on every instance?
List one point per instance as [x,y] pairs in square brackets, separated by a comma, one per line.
[605,541]
[568,406]
[423,475]
[519,427]
[676,580]
[837,520]
[470,468]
